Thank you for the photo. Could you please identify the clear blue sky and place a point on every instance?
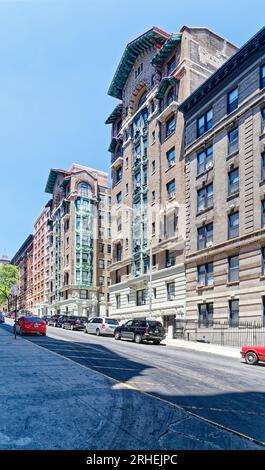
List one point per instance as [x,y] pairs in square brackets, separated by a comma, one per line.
[57,58]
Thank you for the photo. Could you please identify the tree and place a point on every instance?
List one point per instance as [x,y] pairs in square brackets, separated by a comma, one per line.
[8,277]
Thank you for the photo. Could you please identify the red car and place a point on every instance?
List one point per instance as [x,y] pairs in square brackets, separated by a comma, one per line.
[253,354]
[30,325]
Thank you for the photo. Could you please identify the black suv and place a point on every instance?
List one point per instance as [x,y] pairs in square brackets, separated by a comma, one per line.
[141,330]
[73,323]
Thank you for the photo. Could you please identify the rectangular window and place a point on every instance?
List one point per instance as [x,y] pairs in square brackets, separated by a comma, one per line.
[118,174]
[263,167]
[101,264]
[205,160]
[126,188]
[170,126]
[171,291]
[101,280]
[233,182]
[262,111]
[153,196]
[153,228]
[141,297]
[263,213]
[171,157]
[171,65]
[171,187]
[232,100]
[109,249]
[119,198]
[117,276]
[118,301]
[233,312]
[205,236]
[153,166]
[170,258]
[262,76]
[233,141]
[119,225]
[263,261]
[206,314]
[233,225]
[205,122]
[233,268]
[205,197]
[205,275]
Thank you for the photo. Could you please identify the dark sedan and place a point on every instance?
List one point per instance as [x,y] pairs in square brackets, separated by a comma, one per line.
[73,323]
[141,330]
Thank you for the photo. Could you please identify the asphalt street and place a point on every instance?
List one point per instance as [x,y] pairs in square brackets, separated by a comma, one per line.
[125,395]
[225,391]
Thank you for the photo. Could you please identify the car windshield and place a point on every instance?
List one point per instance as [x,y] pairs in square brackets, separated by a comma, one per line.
[111,322]
[33,320]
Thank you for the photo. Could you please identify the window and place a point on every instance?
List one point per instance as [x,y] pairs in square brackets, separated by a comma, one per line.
[118,174]
[233,268]
[83,294]
[171,157]
[205,160]
[101,263]
[205,122]
[262,120]
[101,280]
[83,188]
[233,225]
[171,65]
[233,141]
[232,100]
[170,258]
[154,292]
[85,276]
[262,76]
[109,249]
[205,274]
[170,126]
[77,275]
[170,97]
[205,236]
[153,166]
[153,136]
[263,167]
[126,163]
[126,189]
[118,301]
[205,197]
[118,252]
[233,312]
[171,291]
[263,261]
[126,242]
[119,225]
[206,314]
[153,197]
[141,297]
[263,213]
[153,228]
[171,186]
[117,276]
[119,198]
[233,182]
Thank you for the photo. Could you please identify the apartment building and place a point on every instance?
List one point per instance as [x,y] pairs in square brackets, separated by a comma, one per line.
[23,259]
[157,71]
[79,241]
[41,263]
[225,191]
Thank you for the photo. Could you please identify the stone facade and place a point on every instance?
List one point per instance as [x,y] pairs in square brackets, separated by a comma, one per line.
[148,182]
[79,241]
[41,263]
[225,187]
[23,259]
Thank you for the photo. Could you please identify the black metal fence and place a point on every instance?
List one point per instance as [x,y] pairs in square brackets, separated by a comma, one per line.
[222,333]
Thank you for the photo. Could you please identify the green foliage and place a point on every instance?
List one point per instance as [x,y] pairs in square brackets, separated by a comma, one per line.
[8,277]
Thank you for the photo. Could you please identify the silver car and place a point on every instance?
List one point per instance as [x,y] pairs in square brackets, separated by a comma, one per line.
[101,326]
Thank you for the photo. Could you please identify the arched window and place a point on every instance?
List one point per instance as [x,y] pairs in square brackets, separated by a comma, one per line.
[84,189]
[142,100]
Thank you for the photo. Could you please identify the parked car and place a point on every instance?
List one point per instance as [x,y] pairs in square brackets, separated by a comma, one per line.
[56,320]
[73,323]
[141,330]
[2,317]
[253,354]
[46,318]
[30,325]
[101,326]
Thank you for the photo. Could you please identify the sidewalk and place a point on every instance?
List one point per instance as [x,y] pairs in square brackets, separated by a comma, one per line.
[51,402]
[227,351]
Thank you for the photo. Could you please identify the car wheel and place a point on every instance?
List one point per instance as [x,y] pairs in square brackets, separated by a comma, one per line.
[97,332]
[43,334]
[251,358]
[138,338]
[117,335]
[156,341]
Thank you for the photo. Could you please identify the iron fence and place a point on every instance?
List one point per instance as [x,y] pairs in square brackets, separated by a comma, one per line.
[223,333]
